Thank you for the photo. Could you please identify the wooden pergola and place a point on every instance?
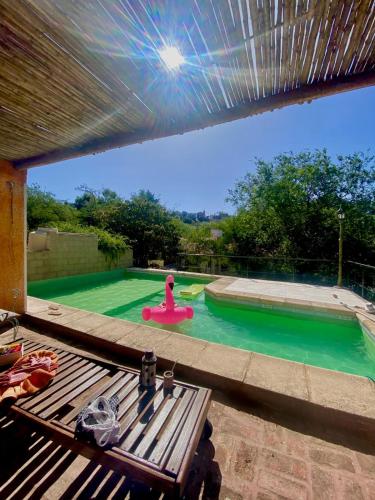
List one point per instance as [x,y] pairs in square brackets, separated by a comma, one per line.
[83,76]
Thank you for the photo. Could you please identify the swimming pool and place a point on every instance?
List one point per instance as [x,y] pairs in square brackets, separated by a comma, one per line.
[321,340]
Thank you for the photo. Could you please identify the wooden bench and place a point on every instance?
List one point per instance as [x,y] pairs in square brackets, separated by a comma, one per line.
[160,430]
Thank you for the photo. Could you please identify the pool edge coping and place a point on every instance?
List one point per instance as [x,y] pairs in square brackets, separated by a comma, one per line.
[220,282]
[274,381]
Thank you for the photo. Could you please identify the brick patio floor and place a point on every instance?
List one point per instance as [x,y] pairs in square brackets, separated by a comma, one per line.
[252,455]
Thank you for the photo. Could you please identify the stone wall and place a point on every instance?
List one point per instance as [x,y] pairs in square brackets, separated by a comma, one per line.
[52,254]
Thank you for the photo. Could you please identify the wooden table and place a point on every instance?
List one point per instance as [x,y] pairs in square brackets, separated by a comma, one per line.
[160,430]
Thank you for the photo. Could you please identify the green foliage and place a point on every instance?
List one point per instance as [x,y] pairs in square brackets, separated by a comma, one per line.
[198,238]
[286,208]
[112,245]
[95,206]
[44,209]
[151,230]
[289,206]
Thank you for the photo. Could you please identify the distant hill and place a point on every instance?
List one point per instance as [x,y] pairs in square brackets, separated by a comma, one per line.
[191,217]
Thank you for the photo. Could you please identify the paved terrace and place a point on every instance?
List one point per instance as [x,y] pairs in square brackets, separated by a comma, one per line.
[278,293]
[254,453]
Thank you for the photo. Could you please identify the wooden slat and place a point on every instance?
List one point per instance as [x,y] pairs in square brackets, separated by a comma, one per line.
[172,430]
[111,458]
[143,419]
[105,391]
[129,412]
[73,393]
[31,346]
[65,361]
[54,393]
[177,454]
[158,422]
[76,374]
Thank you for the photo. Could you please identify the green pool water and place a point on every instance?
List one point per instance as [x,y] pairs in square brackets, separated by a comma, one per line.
[325,341]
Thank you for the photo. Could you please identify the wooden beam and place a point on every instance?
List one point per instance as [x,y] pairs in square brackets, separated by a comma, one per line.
[305,93]
[12,238]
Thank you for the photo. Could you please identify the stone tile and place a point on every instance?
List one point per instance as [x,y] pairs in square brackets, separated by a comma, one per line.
[114,329]
[224,447]
[295,444]
[224,361]
[69,318]
[215,414]
[145,338]
[35,305]
[341,391]
[243,460]
[264,495]
[45,314]
[351,489]
[277,375]
[323,484]
[185,350]
[286,488]
[332,459]
[277,462]
[369,487]
[90,322]
[275,437]
[237,426]
[367,464]
[296,294]
[229,494]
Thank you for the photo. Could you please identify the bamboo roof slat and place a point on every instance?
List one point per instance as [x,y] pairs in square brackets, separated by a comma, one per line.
[287,30]
[365,35]
[370,51]
[278,29]
[53,71]
[238,39]
[323,35]
[339,36]
[298,39]
[257,34]
[363,7]
[334,17]
[81,76]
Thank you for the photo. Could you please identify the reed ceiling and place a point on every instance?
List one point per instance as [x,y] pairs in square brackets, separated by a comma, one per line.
[83,76]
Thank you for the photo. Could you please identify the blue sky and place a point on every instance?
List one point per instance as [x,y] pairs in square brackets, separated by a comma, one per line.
[194,171]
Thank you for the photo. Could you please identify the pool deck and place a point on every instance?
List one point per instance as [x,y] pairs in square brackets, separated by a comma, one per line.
[253,454]
[291,295]
[333,398]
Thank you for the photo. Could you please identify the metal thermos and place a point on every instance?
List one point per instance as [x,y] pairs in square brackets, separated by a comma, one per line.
[148,372]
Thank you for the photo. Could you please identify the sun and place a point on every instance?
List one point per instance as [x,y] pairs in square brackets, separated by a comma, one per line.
[172,57]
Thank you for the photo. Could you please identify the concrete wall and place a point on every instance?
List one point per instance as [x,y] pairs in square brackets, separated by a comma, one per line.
[52,254]
[12,238]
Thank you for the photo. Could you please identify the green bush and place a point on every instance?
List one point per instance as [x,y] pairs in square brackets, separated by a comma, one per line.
[112,245]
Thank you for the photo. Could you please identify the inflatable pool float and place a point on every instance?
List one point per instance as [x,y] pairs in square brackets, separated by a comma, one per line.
[192,291]
[168,313]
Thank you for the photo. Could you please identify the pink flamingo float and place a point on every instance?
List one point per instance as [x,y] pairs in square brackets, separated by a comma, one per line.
[168,313]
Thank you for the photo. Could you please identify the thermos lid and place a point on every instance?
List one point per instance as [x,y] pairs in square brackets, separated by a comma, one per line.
[149,353]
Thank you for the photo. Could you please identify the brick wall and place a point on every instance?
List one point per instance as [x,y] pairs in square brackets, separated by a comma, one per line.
[52,254]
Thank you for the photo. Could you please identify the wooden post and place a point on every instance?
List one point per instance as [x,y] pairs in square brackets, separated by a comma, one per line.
[13,290]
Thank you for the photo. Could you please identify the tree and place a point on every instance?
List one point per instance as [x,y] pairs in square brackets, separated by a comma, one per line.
[149,227]
[95,206]
[43,208]
[288,207]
